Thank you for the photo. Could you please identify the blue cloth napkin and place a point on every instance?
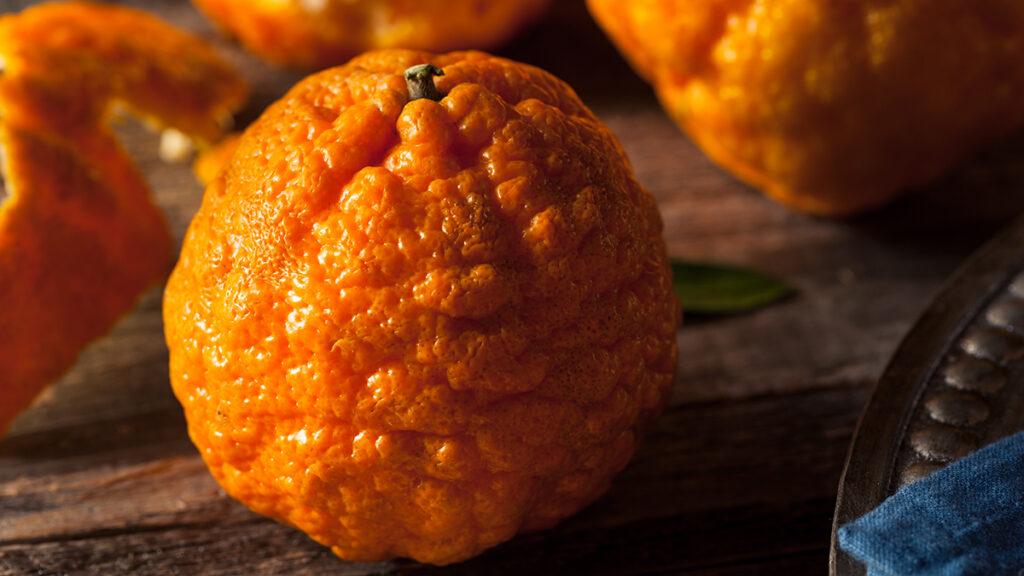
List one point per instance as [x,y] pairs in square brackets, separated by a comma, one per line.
[965,519]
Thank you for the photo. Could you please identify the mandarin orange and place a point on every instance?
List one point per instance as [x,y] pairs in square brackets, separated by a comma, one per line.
[318,33]
[830,106]
[79,236]
[412,327]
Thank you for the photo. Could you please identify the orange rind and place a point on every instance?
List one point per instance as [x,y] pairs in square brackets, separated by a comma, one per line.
[80,238]
[415,328]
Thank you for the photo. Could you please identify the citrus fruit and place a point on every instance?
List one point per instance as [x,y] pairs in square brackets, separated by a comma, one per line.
[412,327]
[318,33]
[831,107]
[79,236]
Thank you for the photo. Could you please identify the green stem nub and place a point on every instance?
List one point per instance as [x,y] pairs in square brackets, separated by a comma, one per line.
[420,80]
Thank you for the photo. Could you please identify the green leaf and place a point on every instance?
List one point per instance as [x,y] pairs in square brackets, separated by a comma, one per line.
[705,288]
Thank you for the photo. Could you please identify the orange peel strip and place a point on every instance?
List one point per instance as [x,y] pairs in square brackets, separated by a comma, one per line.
[80,238]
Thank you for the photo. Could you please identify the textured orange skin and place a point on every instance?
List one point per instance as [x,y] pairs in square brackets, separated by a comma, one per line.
[301,33]
[830,106]
[416,328]
[79,236]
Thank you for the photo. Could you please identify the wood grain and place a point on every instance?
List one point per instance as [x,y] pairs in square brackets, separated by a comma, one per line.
[708,491]
[740,475]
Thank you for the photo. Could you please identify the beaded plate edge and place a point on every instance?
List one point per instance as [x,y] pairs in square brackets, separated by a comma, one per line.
[955,384]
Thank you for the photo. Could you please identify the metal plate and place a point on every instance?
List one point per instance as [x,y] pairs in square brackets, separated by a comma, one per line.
[956,383]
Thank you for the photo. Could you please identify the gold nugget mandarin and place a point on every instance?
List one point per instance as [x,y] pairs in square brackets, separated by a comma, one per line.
[318,33]
[830,106]
[415,328]
[79,237]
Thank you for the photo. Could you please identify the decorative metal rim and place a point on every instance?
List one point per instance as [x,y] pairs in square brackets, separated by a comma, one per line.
[950,388]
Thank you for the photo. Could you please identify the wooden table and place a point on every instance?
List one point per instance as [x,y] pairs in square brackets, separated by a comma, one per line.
[739,476]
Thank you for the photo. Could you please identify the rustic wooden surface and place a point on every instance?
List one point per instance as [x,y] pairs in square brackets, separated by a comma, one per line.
[739,477]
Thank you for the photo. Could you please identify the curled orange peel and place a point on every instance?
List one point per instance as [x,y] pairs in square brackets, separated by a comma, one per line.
[80,238]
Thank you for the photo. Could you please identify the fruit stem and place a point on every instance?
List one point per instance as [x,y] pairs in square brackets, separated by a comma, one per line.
[420,80]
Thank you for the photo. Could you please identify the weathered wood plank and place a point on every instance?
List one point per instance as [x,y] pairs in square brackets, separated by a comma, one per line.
[709,489]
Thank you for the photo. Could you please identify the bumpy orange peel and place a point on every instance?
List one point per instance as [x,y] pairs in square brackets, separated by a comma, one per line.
[412,327]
